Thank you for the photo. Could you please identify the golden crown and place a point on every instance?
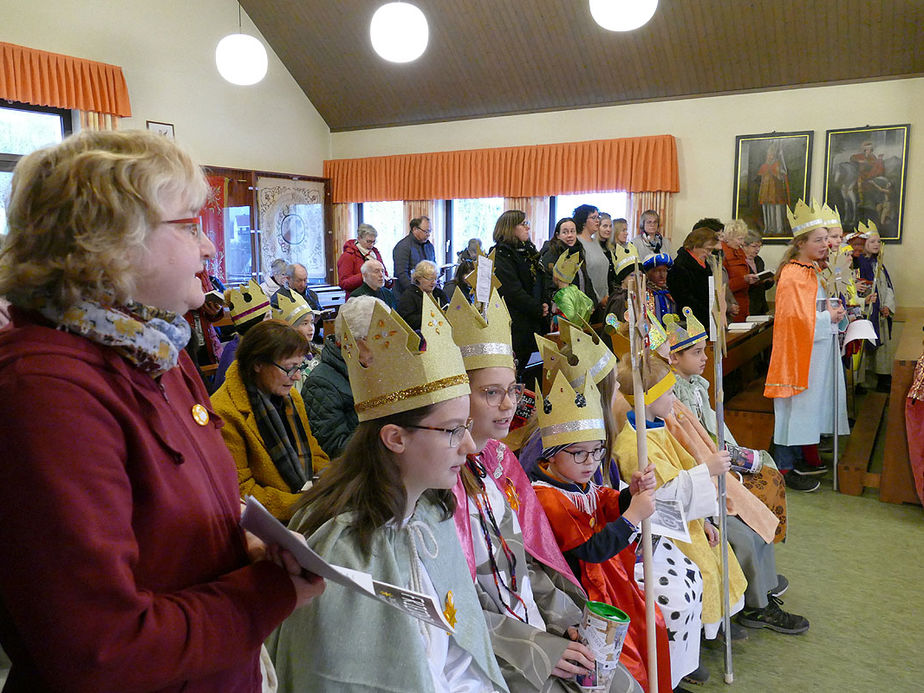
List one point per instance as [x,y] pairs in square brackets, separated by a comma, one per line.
[567,266]
[593,356]
[401,377]
[247,302]
[569,416]
[830,217]
[682,338]
[484,341]
[804,219]
[553,361]
[869,229]
[619,335]
[291,307]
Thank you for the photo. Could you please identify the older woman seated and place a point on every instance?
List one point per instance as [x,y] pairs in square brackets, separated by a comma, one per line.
[266,426]
[410,305]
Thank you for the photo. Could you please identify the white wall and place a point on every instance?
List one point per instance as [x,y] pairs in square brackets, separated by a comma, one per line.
[705,129]
[166,49]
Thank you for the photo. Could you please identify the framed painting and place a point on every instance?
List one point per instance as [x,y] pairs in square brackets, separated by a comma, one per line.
[165,129]
[771,174]
[865,176]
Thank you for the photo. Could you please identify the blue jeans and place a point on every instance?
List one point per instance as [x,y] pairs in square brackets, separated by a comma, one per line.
[786,456]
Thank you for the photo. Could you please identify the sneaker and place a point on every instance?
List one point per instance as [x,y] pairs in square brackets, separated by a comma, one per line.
[826,444]
[803,468]
[801,483]
[782,584]
[774,618]
[697,677]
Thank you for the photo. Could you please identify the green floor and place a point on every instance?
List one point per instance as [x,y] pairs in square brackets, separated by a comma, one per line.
[856,570]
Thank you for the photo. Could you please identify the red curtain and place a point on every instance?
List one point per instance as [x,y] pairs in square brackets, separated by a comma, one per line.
[633,164]
[60,81]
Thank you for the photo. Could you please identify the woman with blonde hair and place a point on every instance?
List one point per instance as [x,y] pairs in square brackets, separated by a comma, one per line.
[131,570]
[423,280]
[740,277]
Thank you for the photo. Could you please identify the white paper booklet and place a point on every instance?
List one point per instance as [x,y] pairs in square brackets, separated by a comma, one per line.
[669,520]
[258,521]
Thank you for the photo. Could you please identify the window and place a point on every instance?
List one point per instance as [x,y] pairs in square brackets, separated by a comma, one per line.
[474,218]
[23,129]
[613,203]
[388,219]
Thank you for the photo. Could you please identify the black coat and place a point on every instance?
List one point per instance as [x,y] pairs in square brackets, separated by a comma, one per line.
[581,279]
[410,305]
[688,282]
[329,400]
[523,287]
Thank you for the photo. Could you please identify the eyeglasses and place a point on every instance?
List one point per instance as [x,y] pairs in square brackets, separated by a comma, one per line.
[593,217]
[191,225]
[292,373]
[581,456]
[525,223]
[455,434]
[494,396]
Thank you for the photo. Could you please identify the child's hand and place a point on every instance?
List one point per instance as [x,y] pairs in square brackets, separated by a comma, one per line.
[643,481]
[641,507]
[712,534]
[718,463]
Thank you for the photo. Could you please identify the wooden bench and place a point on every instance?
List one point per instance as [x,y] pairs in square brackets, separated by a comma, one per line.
[852,468]
[749,416]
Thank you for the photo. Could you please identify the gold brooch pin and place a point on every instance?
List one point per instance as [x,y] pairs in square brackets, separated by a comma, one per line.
[200,414]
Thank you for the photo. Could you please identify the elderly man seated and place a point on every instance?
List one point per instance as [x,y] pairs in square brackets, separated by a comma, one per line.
[373,284]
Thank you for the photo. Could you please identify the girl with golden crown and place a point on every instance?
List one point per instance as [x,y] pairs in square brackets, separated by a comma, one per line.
[802,374]
[880,305]
[530,597]
[386,508]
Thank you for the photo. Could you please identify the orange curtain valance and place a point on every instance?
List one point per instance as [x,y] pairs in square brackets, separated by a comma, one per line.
[50,79]
[632,164]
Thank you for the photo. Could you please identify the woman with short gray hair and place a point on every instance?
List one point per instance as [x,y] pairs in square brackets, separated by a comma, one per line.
[355,253]
[423,280]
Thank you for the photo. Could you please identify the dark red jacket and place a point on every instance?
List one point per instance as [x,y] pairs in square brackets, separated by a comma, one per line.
[348,264]
[123,564]
[736,264]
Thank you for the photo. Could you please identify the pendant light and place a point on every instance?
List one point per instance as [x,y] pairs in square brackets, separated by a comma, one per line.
[241,58]
[622,15]
[399,32]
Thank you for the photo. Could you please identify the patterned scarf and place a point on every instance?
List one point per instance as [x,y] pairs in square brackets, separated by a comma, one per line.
[149,338]
[283,435]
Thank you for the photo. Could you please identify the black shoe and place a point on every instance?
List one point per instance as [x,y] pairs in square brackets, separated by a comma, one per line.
[801,483]
[697,677]
[802,468]
[774,618]
[782,584]
[826,444]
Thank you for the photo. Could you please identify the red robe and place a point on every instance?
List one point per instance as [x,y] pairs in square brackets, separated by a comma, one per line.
[611,582]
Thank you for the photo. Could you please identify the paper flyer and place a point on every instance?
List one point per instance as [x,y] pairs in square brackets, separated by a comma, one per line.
[258,521]
[483,281]
[669,520]
[860,329]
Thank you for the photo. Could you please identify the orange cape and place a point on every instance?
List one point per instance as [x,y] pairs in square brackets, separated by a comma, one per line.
[793,331]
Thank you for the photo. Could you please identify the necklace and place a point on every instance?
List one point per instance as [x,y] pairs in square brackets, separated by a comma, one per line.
[488,525]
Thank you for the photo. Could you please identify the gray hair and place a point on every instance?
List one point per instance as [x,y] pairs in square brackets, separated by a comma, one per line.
[753,236]
[369,265]
[356,314]
[278,266]
[736,228]
[424,269]
[290,269]
[364,230]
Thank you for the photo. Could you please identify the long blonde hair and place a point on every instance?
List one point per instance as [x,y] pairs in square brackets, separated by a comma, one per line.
[80,213]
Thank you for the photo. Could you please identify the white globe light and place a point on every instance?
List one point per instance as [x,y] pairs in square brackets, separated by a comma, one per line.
[622,15]
[399,32]
[241,59]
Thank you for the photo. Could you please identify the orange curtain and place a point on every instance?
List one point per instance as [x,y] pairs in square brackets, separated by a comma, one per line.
[344,228]
[50,79]
[537,212]
[662,203]
[633,164]
[90,120]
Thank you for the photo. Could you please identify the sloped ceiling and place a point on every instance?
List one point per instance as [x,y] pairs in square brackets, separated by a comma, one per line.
[493,57]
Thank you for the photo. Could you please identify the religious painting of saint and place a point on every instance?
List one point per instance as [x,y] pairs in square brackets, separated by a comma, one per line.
[771,174]
[865,176]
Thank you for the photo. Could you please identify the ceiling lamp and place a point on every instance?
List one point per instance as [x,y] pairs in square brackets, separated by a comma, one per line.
[399,32]
[622,15]
[241,58]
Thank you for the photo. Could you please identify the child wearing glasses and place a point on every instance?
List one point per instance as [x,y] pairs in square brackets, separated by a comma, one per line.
[386,508]
[596,526]
[529,596]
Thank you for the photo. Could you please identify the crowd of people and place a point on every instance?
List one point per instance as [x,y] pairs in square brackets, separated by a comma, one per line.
[403,445]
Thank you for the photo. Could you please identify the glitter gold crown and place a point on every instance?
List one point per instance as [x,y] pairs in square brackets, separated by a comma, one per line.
[830,217]
[593,356]
[804,219]
[291,307]
[247,302]
[682,338]
[869,229]
[567,266]
[401,377]
[484,341]
[568,415]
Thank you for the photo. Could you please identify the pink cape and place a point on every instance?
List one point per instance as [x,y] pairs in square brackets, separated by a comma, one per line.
[538,539]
